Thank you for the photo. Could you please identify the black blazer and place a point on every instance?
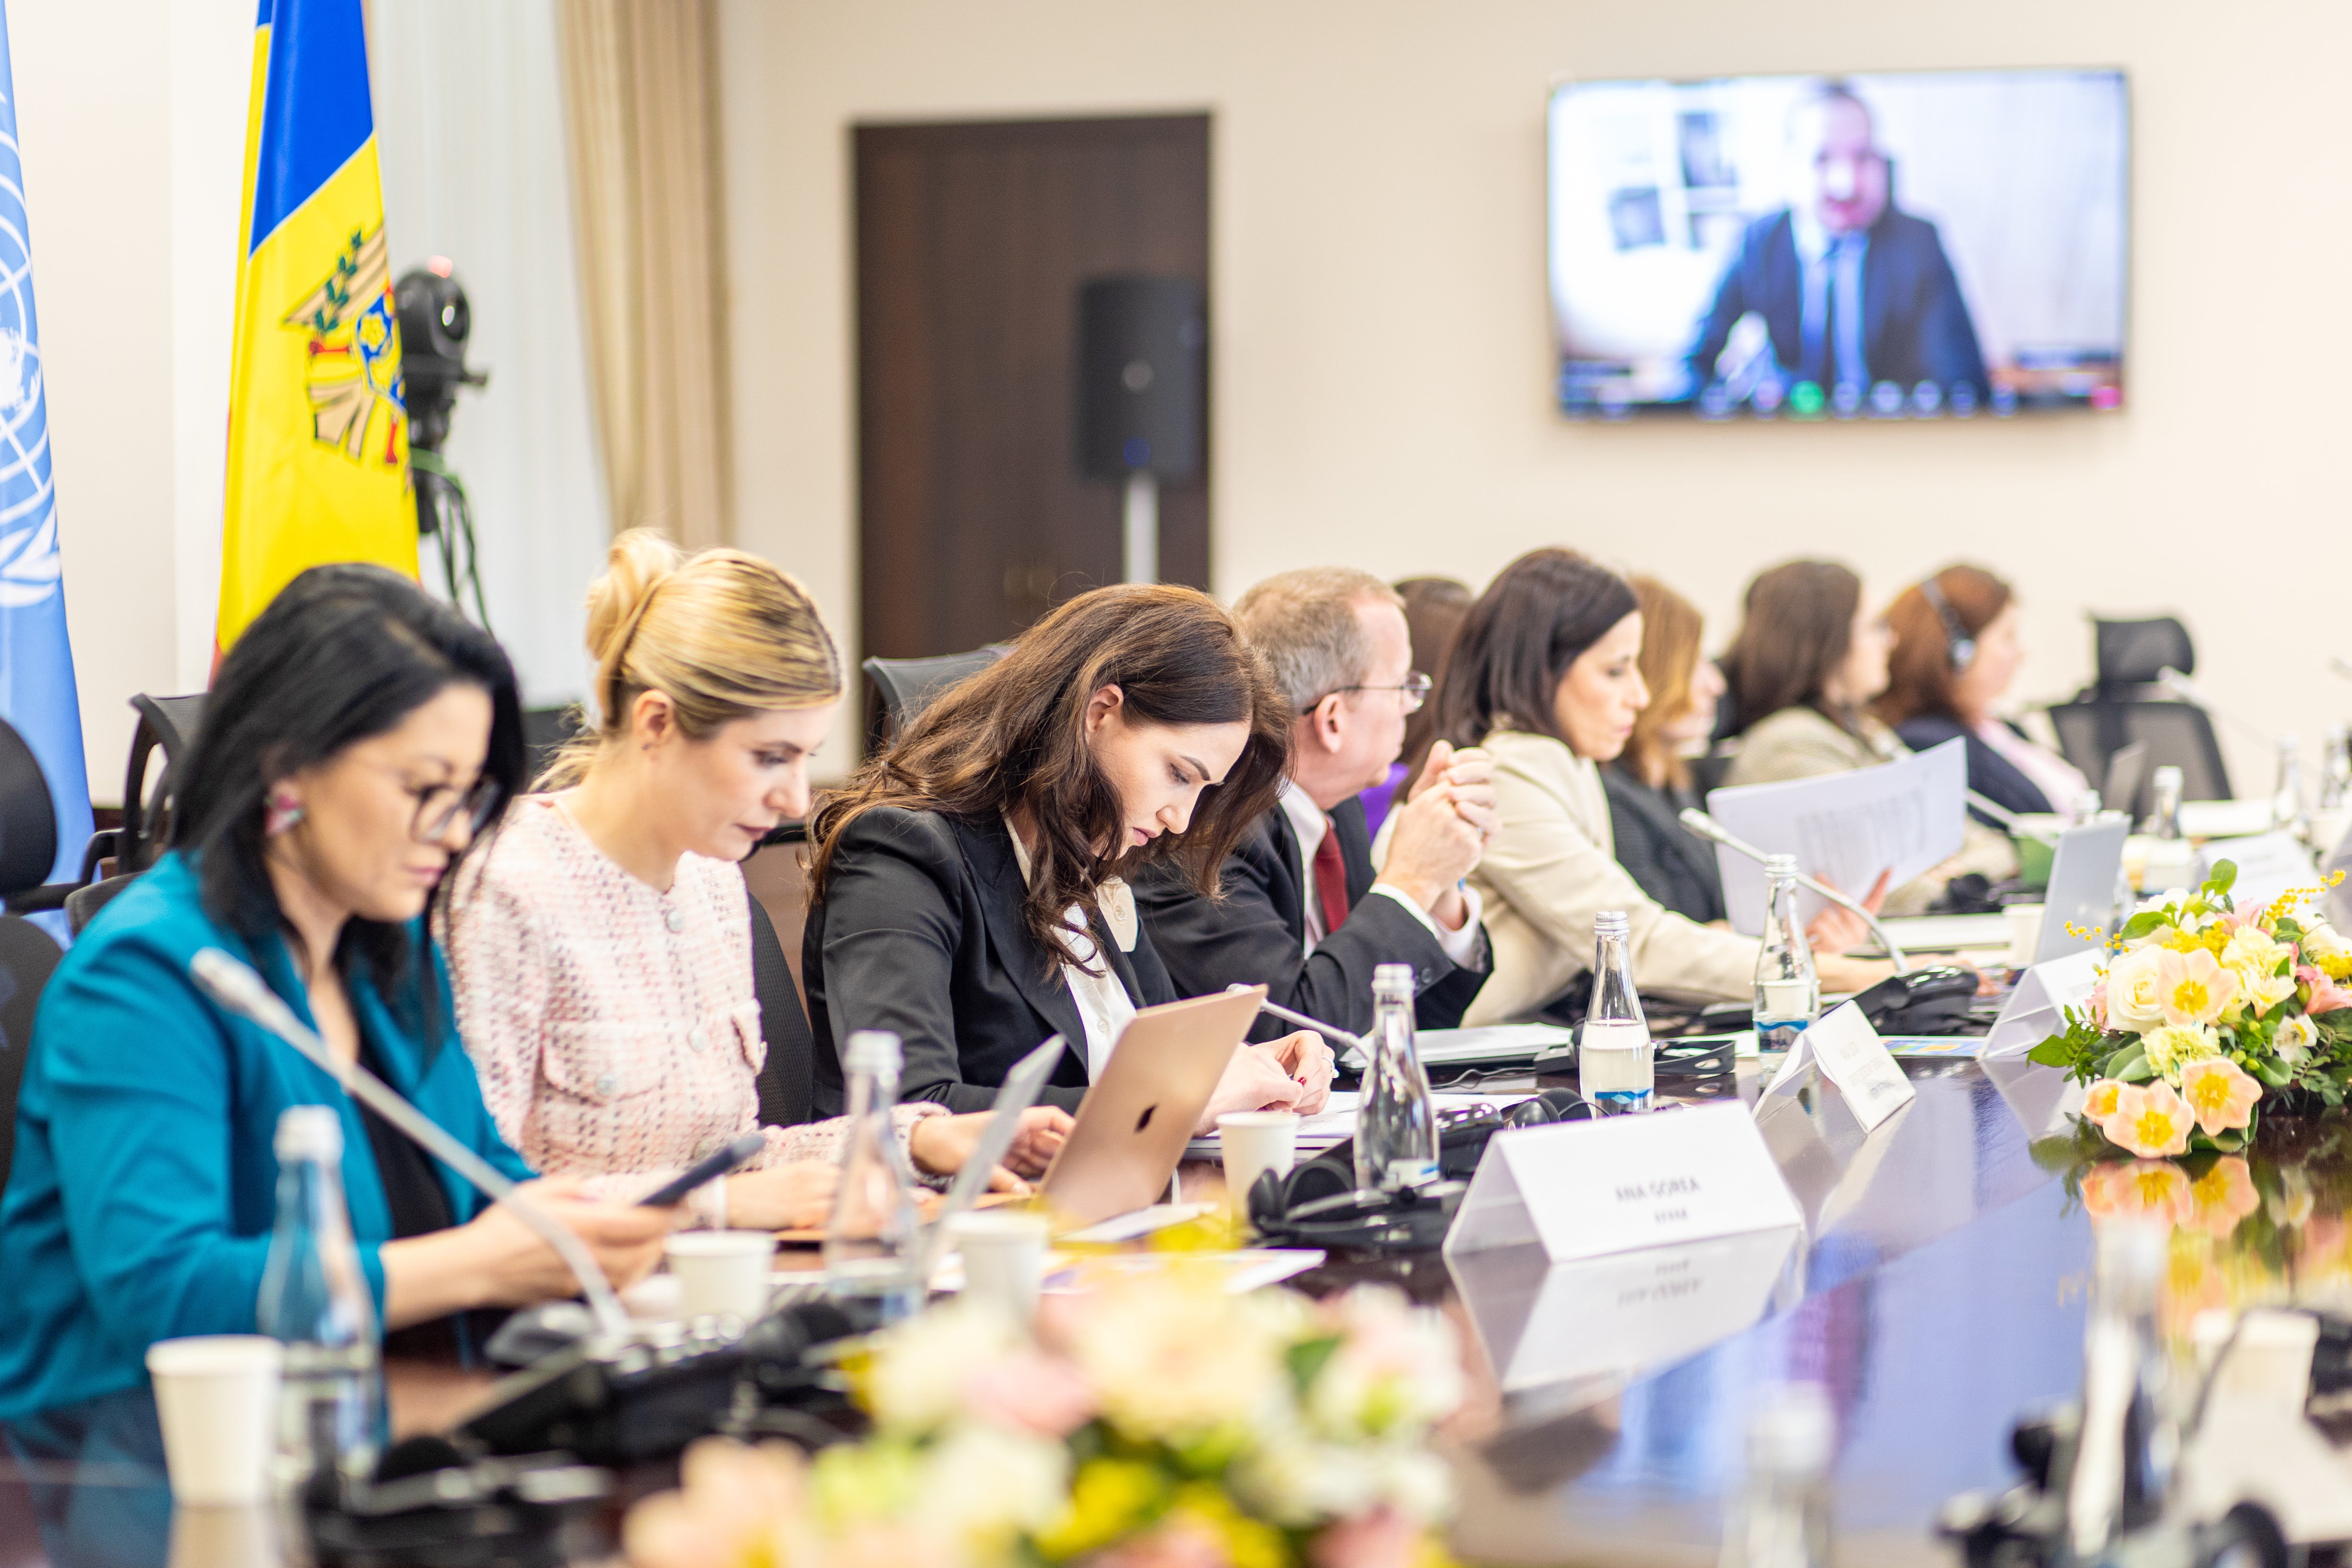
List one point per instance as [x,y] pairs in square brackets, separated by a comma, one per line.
[919,932]
[1990,775]
[1915,324]
[1257,931]
[1673,865]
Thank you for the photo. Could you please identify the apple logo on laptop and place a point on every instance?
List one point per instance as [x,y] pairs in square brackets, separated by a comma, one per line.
[1144,1121]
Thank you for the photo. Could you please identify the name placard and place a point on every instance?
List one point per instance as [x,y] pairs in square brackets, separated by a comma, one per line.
[2037,1009]
[1852,1057]
[1585,1189]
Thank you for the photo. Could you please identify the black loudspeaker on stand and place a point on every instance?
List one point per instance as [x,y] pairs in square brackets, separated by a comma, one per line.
[1141,397]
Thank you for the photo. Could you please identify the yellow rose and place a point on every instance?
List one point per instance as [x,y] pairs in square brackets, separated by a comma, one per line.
[2134,998]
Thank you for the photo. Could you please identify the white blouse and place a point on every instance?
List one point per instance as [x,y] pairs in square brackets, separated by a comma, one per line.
[1105,1009]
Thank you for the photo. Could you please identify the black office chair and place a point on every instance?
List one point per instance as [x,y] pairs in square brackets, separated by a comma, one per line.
[166,724]
[545,731]
[788,1078]
[28,847]
[907,686]
[2127,704]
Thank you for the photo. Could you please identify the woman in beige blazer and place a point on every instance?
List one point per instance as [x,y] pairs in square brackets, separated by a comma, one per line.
[1544,677]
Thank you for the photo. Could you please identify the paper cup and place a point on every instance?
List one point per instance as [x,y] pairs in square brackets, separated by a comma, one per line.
[1253,1142]
[216,1400]
[1004,1257]
[2024,932]
[721,1273]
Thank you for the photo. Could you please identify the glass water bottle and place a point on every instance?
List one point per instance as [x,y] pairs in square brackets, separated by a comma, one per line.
[871,1238]
[2172,861]
[2336,768]
[1614,1068]
[1396,1126]
[316,1302]
[1788,993]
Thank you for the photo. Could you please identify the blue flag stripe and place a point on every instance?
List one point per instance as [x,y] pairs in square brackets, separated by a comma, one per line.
[316,111]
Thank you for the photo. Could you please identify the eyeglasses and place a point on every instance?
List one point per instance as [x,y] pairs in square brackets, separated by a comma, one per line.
[1411,691]
[439,808]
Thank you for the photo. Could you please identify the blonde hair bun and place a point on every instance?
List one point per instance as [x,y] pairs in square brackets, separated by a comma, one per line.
[723,634]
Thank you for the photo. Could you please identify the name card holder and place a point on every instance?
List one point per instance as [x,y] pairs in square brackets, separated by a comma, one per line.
[1585,1189]
[2037,1009]
[1851,1056]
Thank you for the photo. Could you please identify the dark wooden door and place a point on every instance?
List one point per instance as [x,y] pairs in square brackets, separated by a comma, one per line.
[973,240]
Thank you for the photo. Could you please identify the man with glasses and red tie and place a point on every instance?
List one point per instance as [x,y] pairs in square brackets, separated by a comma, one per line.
[1303,911]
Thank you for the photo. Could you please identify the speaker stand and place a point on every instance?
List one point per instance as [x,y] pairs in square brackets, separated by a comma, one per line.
[1141,554]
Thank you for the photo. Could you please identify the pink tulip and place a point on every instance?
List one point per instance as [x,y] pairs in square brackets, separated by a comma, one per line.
[1382,1539]
[2325,994]
[2220,1092]
[2193,987]
[2144,1189]
[1032,1391]
[2150,1120]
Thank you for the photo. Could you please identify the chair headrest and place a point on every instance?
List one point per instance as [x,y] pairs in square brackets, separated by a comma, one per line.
[28,817]
[2131,653]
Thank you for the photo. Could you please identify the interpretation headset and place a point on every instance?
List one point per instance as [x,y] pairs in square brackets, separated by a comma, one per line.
[1963,645]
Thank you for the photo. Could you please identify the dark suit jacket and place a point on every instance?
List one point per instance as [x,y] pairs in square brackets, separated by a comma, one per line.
[1257,931]
[1990,775]
[1673,865]
[1915,325]
[919,932]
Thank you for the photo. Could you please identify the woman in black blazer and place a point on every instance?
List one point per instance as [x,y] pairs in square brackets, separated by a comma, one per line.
[968,887]
[1650,783]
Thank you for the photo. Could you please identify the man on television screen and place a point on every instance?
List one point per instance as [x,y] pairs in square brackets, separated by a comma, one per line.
[1854,293]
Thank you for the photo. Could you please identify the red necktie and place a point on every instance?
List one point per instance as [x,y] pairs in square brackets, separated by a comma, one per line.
[1331,880]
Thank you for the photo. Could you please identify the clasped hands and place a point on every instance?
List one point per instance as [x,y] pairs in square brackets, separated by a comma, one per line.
[1442,826]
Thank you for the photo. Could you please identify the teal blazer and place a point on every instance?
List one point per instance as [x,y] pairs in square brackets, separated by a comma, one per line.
[139,1203]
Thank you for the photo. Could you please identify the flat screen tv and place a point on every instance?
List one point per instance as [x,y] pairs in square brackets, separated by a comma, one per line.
[1900,245]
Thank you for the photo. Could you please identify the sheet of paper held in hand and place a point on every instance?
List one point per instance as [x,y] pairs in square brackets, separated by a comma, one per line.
[1906,817]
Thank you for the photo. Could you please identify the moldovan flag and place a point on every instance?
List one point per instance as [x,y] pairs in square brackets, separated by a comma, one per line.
[318,438]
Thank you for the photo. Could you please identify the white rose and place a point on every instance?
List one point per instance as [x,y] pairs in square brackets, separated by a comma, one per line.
[984,1485]
[2134,998]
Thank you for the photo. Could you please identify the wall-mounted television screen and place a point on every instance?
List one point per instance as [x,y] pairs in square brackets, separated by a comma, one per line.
[1897,245]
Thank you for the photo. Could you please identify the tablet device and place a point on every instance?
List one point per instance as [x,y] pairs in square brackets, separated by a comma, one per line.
[1134,1121]
[2082,889]
[1017,1094]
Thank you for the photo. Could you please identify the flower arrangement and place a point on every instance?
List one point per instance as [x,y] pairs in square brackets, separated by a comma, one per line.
[2204,1010]
[1158,1422]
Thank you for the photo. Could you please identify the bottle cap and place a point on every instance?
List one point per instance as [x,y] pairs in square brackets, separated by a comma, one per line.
[1791,1432]
[2167,776]
[309,1132]
[1608,922]
[1392,979]
[872,1050]
[1779,866]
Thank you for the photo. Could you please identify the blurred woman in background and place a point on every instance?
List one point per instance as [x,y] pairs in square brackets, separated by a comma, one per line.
[1957,652]
[1649,784]
[1547,676]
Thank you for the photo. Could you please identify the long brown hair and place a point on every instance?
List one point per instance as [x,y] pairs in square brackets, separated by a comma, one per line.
[1796,631]
[1670,630]
[1919,673]
[1013,737]
[1535,619]
[1434,611]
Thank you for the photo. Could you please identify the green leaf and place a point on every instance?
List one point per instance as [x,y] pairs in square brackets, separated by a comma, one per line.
[2053,1052]
[2142,924]
[2271,1071]
[1307,1358]
[2223,874]
[2130,1065]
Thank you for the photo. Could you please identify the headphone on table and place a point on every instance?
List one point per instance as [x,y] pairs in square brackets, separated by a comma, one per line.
[1963,645]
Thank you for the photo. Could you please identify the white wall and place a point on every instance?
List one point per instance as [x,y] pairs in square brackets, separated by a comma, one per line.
[1383,356]
[131,117]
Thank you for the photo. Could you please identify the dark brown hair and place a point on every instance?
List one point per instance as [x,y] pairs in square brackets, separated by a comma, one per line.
[1796,628]
[1013,737]
[1671,629]
[1434,608]
[1533,621]
[1919,669]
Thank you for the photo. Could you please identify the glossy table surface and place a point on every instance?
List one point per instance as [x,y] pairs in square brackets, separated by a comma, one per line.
[1938,1291]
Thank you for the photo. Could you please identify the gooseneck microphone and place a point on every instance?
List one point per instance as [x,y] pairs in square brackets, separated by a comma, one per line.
[1331,1032]
[234,984]
[1706,827]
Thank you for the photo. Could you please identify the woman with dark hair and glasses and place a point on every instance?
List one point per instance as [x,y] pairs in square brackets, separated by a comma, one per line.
[357,740]
[969,891]
[1546,675]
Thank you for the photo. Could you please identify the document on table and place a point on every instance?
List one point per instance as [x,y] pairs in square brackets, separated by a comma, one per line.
[1904,817]
[1335,1122]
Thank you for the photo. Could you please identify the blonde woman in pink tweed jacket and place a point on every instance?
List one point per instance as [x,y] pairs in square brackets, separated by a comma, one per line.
[600,946]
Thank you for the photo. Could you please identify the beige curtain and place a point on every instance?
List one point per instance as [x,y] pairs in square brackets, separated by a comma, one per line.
[640,91]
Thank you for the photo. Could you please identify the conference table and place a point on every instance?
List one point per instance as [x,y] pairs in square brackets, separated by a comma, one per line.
[1937,1291]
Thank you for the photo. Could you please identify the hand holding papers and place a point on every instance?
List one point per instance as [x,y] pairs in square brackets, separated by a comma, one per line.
[1903,818]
